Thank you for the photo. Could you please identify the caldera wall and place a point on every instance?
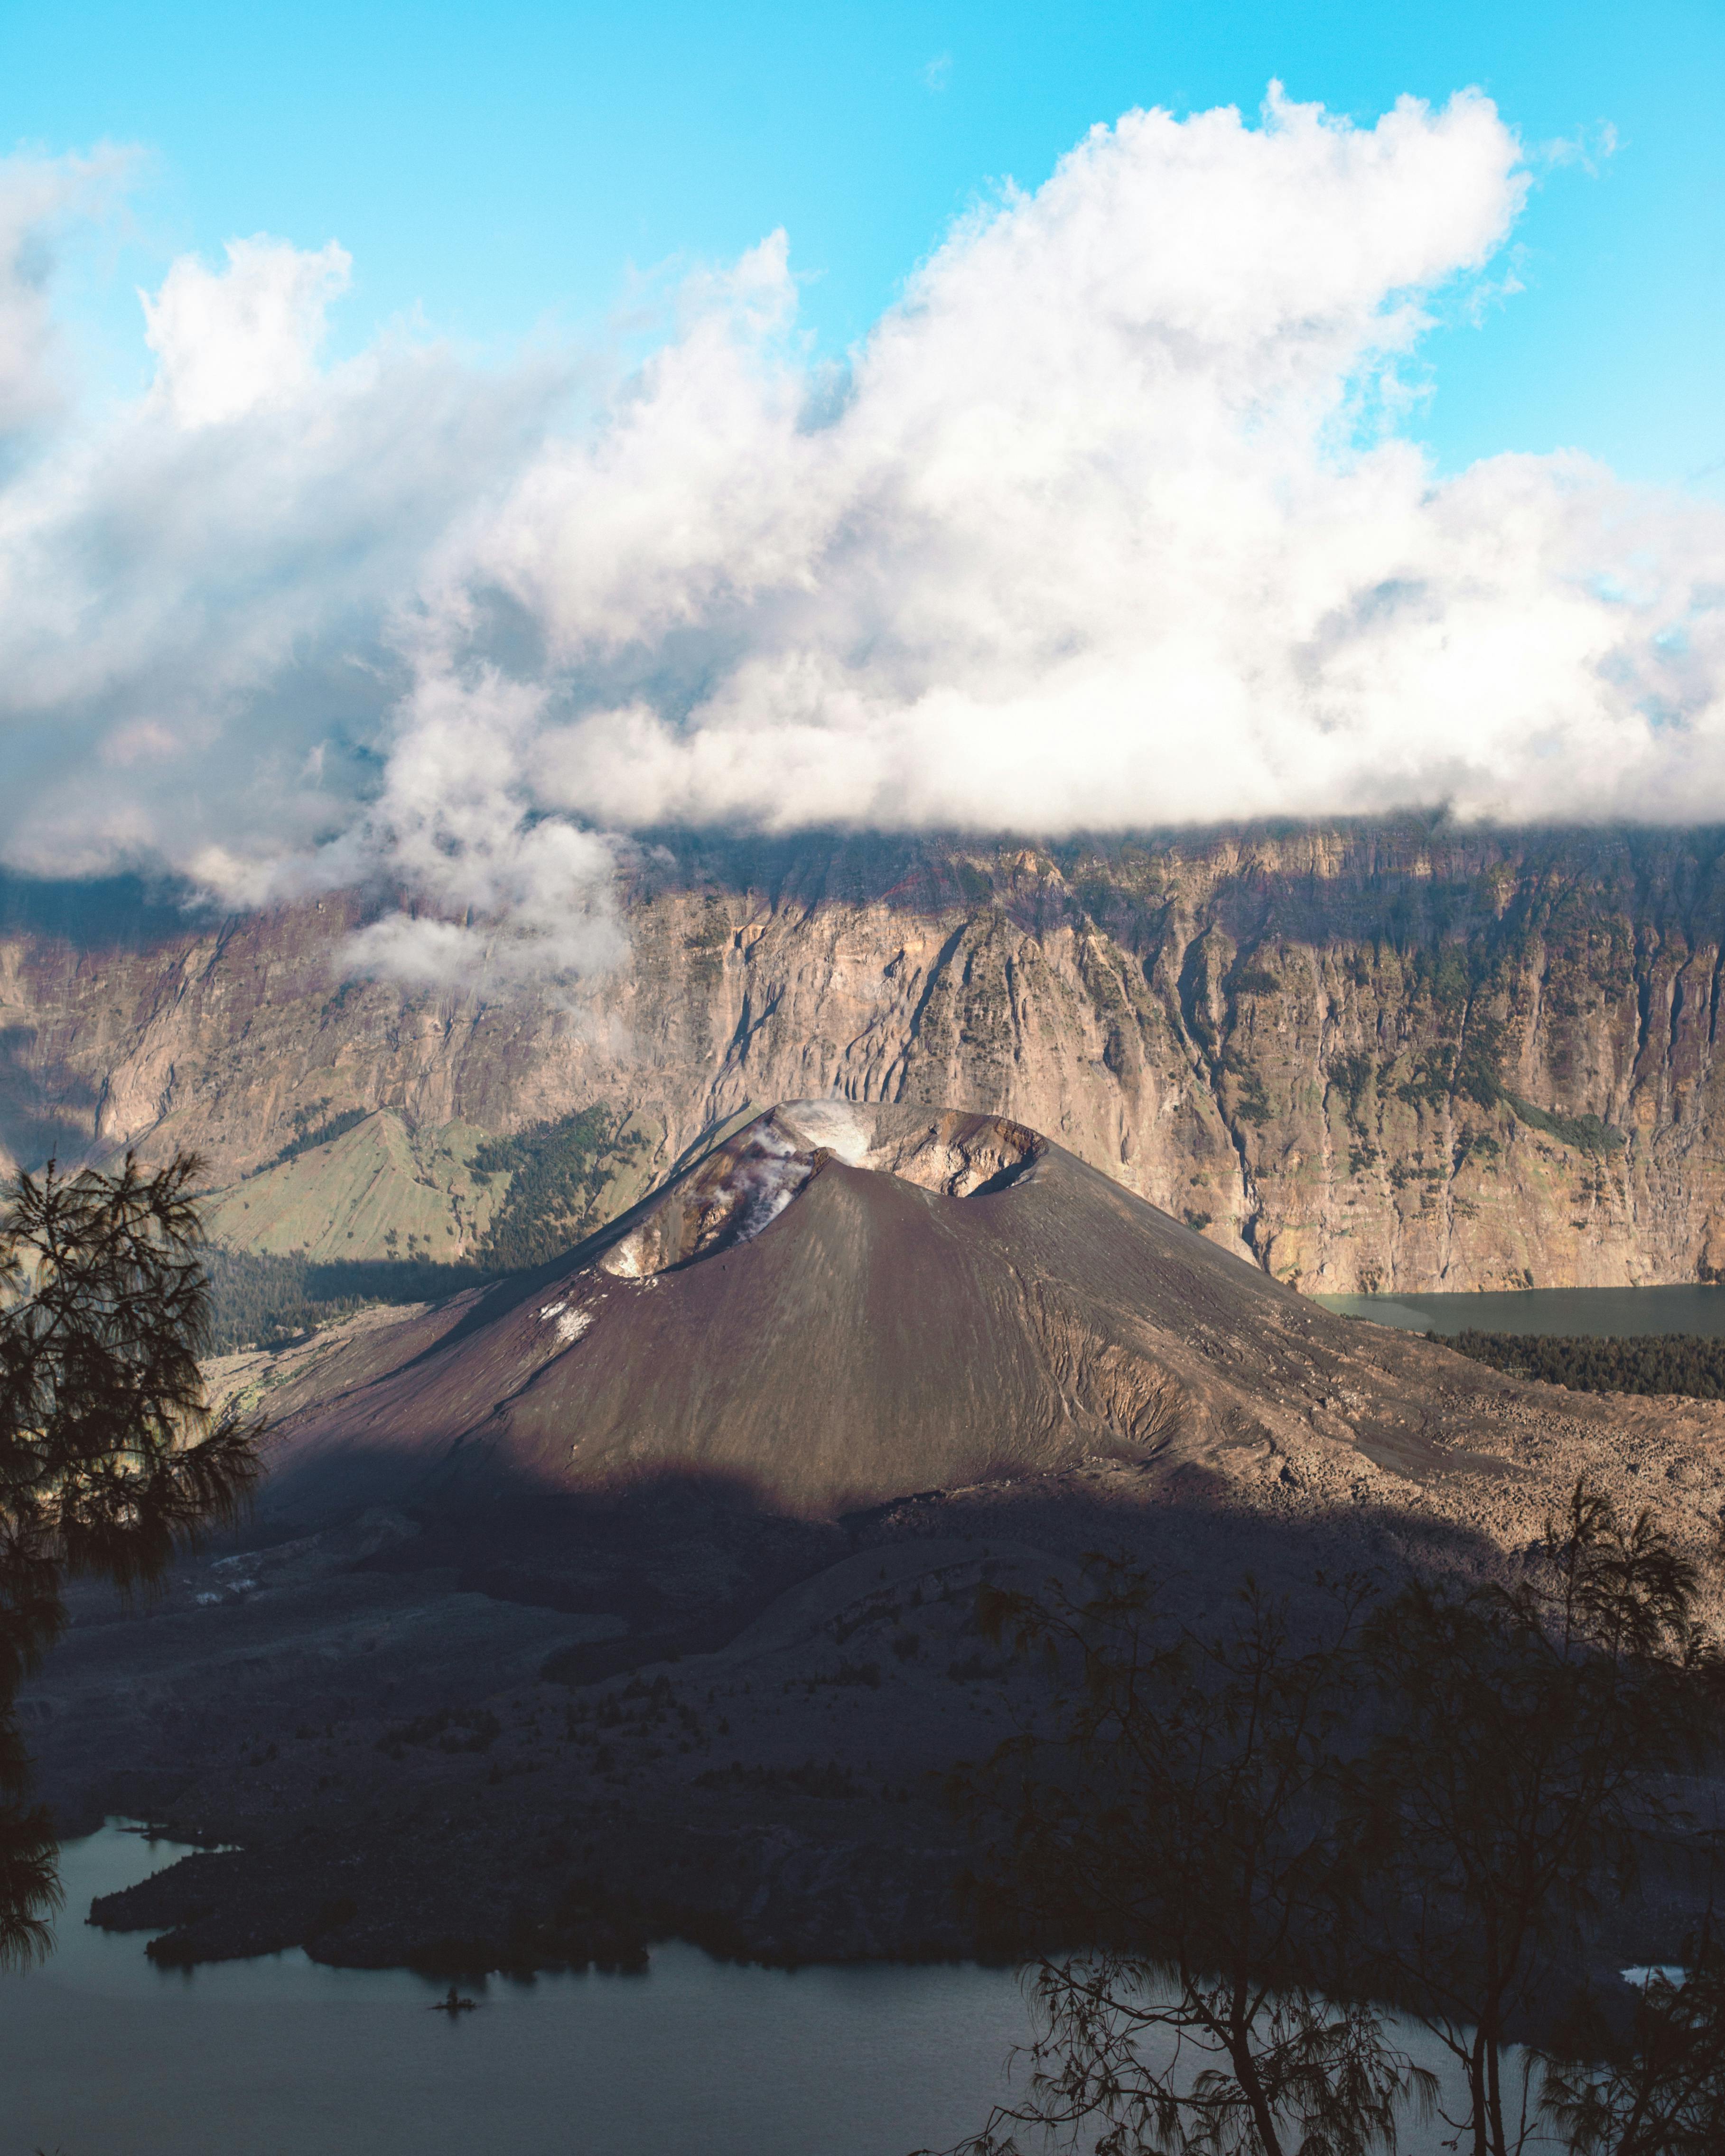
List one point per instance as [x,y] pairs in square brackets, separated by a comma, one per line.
[1383,1057]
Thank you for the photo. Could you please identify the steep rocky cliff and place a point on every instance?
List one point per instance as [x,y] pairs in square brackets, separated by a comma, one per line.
[1406,1057]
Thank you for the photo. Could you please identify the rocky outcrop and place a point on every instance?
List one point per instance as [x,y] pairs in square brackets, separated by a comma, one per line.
[1399,1057]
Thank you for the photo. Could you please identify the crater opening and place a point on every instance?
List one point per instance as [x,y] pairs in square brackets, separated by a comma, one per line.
[743,1184]
[944,1149]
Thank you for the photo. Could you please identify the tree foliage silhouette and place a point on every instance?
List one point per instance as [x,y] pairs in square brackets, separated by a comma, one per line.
[1181,1824]
[110,1455]
[1522,1735]
[1236,1834]
[1658,2089]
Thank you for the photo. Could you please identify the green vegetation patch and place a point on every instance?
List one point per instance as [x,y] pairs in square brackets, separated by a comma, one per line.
[377,1190]
[1477,1061]
[559,1173]
[264,1301]
[1251,1103]
[538,1193]
[1351,1076]
[1429,1082]
[1586,1133]
[1686,1363]
[1475,1145]
[1466,1070]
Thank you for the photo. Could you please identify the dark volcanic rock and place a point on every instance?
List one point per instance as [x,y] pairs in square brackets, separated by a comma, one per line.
[844,1304]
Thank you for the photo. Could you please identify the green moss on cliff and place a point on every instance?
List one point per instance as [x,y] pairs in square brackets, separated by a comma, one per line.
[1586,1133]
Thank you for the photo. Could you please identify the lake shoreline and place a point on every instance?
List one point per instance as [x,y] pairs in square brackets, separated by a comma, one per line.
[1598,1312]
[107,2053]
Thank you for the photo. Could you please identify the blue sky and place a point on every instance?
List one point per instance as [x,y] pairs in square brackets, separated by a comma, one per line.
[505,170]
[480,496]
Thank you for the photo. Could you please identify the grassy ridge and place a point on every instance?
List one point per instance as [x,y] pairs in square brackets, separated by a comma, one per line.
[559,1175]
[1684,1363]
[306,1138]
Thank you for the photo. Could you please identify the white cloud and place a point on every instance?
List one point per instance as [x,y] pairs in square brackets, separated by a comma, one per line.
[1113,520]
[457,823]
[227,342]
[196,665]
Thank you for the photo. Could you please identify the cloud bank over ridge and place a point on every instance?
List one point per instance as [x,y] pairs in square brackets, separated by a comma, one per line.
[1114,520]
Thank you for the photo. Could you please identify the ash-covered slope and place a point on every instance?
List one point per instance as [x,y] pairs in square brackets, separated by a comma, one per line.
[841,1304]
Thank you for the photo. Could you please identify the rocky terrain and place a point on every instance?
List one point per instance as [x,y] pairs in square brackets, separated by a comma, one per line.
[552,1734]
[1367,1058]
[550,1639]
[491,1708]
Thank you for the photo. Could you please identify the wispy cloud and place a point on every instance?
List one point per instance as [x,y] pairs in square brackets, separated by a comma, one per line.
[39,198]
[1113,519]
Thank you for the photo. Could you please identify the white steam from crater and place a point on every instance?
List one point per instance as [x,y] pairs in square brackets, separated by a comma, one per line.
[1113,519]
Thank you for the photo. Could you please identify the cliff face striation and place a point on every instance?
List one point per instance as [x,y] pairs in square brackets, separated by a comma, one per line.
[1367,1058]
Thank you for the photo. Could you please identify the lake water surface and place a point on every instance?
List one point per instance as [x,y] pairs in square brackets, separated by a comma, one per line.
[101,2054]
[1600,1311]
